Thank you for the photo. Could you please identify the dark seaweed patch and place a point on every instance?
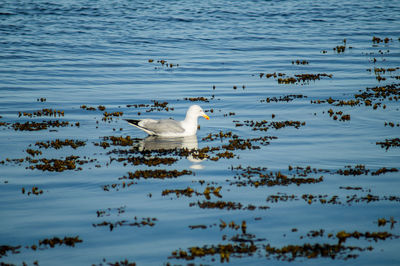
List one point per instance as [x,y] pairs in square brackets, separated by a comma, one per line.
[143,222]
[379,40]
[220,135]
[155,106]
[188,192]
[383,222]
[224,251]
[43,112]
[334,115]
[88,108]
[311,251]
[68,241]
[107,212]
[226,205]
[389,143]
[392,124]
[303,78]
[57,165]
[145,161]
[197,99]
[281,197]
[34,191]
[146,174]
[36,126]
[116,141]
[264,125]
[373,97]
[161,173]
[118,263]
[163,63]
[286,98]
[282,78]
[342,48]
[109,116]
[359,169]
[58,144]
[33,153]
[257,176]
[4,249]
[300,62]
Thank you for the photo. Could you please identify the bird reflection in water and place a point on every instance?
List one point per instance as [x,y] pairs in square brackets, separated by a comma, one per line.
[155,143]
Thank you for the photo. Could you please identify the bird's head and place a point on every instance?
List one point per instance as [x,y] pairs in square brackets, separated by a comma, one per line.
[197,111]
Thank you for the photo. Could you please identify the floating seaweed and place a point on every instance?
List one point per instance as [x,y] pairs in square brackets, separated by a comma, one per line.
[188,192]
[286,98]
[282,78]
[334,115]
[259,176]
[264,125]
[107,212]
[43,112]
[88,108]
[384,170]
[116,141]
[163,63]
[33,153]
[389,143]
[118,263]
[357,170]
[144,222]
[4,249]
[58,144]
[160,173]
[145,161]
[341,48]
[197,99]
[226,205]
[300,62]
[379,40]
[383,222]
[303,78]
[58,165]
[389,92]
[36,126]
[34,191]
[109,116]
[68,241]
[220,135]
[224,251]
[281,197]
[392,124]
[342,236]
[155,106]
[310,251]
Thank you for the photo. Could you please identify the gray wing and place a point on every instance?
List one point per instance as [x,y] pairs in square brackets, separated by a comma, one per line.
[162,126]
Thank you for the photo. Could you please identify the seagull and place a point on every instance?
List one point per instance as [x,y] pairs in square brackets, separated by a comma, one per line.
[170,127]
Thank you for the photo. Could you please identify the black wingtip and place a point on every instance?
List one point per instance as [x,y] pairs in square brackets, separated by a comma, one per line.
[132,121]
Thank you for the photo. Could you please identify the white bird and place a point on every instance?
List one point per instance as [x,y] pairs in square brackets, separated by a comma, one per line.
[170,127]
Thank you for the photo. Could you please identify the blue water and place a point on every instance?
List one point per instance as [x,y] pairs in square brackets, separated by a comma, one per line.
[109,53]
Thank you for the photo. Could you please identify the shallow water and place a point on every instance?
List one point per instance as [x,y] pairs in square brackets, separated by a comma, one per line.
[75,53]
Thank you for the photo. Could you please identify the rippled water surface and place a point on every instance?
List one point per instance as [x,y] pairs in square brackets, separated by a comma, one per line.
[299,162]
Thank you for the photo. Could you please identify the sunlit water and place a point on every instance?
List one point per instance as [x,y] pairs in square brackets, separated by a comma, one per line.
[108,53]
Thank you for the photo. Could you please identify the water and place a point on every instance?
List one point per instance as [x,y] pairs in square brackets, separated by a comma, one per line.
[74,53]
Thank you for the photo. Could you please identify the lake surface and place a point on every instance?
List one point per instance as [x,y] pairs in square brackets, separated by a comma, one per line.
[299,163]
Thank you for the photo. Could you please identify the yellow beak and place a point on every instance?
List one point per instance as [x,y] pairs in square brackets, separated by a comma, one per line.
[206,117]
